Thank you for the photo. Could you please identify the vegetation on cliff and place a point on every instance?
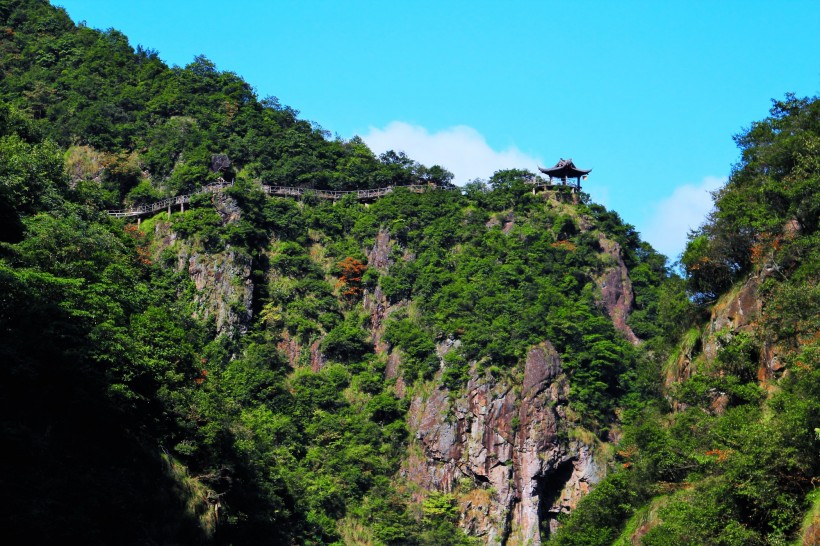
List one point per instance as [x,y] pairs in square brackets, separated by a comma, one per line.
[280,449]
[132,414]
[733,458]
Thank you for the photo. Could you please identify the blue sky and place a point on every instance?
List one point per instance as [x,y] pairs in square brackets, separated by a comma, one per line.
[648,94]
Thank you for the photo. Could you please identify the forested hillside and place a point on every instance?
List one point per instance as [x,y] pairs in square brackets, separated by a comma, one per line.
[146,129]
[457,366]
[730,456]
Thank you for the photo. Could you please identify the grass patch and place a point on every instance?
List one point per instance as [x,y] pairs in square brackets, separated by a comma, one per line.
[586,437]
[810,529]
[356,533]
[194,493]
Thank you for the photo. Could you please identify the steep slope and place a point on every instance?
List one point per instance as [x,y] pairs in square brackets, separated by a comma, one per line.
[735,460]
[381,301]
[84,347]
[245,368]
[449,367]
[504,450]
[272,350]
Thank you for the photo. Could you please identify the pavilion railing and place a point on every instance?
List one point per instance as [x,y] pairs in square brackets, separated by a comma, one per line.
[555,183]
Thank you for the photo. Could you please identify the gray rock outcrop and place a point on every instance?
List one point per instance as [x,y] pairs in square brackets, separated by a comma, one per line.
[503,450]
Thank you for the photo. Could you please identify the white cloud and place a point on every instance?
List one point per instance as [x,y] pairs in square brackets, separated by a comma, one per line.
[461,150]
[675,216]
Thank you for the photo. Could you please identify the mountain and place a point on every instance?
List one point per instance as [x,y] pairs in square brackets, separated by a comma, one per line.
[733,460]
[504,363]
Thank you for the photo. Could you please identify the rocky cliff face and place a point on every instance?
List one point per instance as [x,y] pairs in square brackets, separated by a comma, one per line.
[810,531]
[739,311]
[616,289]
[224,289]
[297,354]
[375,302]
[502,448]
[378,307]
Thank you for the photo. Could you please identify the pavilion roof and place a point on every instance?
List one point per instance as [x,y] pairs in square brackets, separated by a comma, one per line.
[565,168]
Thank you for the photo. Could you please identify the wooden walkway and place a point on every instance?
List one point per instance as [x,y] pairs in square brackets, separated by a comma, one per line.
[281,191]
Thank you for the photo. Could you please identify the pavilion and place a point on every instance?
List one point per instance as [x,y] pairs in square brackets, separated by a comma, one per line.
[565,169]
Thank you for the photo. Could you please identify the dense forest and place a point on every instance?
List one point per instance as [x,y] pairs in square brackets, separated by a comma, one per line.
[250,370]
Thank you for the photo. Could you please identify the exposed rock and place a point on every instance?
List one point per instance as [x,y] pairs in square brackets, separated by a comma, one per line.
[393,363]
[683,365]
[505,444]
[290,347]
[392,370]
[811,531]
[374,301]
[400,388]
[616,289]
[507,222]
[222,279]
[475,507]
[317,359]
[445,346]
[772,364]
[741,310]
[720,401]
[294,352]
[379,255]
[227,208]
[585,223]
[682,368]
[576,475]
[377,306]
[738,311]
[224,288]
[542,366]
[812,535]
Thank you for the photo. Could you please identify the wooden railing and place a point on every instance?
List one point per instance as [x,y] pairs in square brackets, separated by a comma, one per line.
[554,183]
[361,195]
[167,203]
[281,191]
